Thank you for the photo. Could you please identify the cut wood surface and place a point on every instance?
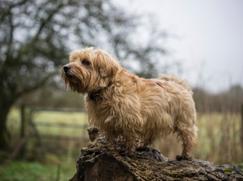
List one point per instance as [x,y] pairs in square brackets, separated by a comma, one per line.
[101,161]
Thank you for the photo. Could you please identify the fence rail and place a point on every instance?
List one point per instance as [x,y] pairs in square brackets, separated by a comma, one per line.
[59,137]
[61,125]
[71,110]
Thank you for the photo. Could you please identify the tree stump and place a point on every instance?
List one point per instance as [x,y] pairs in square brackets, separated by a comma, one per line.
[100,161]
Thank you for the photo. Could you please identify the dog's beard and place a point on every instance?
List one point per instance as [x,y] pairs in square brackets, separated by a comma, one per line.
[73,82]
[74,85]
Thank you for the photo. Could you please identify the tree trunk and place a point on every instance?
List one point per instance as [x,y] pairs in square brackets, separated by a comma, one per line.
[101,161]
[23,127]
[4,134]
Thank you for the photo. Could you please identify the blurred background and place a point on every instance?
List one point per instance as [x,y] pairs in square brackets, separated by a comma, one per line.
[43,125]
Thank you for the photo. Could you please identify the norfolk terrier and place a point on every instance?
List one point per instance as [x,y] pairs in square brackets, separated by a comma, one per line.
[122,104]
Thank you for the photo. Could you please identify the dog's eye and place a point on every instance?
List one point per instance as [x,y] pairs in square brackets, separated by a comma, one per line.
[85,62]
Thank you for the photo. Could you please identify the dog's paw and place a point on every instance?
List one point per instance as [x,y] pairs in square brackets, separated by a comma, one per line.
[183,157]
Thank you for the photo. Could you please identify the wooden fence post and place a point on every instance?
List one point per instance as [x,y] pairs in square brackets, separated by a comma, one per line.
[23,125]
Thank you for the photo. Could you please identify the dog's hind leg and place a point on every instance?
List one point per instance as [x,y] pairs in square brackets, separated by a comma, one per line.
[187,132]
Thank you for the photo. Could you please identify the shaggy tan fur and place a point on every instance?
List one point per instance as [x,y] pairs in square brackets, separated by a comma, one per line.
[122,104]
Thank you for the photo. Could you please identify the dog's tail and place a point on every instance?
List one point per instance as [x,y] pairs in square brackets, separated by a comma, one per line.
[173,78]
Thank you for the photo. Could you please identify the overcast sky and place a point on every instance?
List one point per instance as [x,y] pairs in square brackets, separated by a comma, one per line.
[209,37]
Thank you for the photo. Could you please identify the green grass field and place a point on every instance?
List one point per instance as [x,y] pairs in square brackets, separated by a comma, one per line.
[35,171]
[219,137]
[218,142]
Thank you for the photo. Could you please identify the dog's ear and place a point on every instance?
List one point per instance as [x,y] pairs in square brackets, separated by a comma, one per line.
[105,64]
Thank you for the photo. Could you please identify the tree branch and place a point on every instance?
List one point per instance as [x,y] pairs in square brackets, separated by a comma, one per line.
[43,24]
[20,3]
[10,39]
[46,21]
[6,11]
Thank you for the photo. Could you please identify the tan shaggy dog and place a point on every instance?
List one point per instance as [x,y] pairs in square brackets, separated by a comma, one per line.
[124,105]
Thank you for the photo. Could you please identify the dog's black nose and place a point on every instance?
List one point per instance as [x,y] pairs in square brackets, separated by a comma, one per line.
[66,68]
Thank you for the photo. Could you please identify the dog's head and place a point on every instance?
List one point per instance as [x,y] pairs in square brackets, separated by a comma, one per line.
[89,70]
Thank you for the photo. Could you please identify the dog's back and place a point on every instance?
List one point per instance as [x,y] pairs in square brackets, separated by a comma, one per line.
[176,80]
